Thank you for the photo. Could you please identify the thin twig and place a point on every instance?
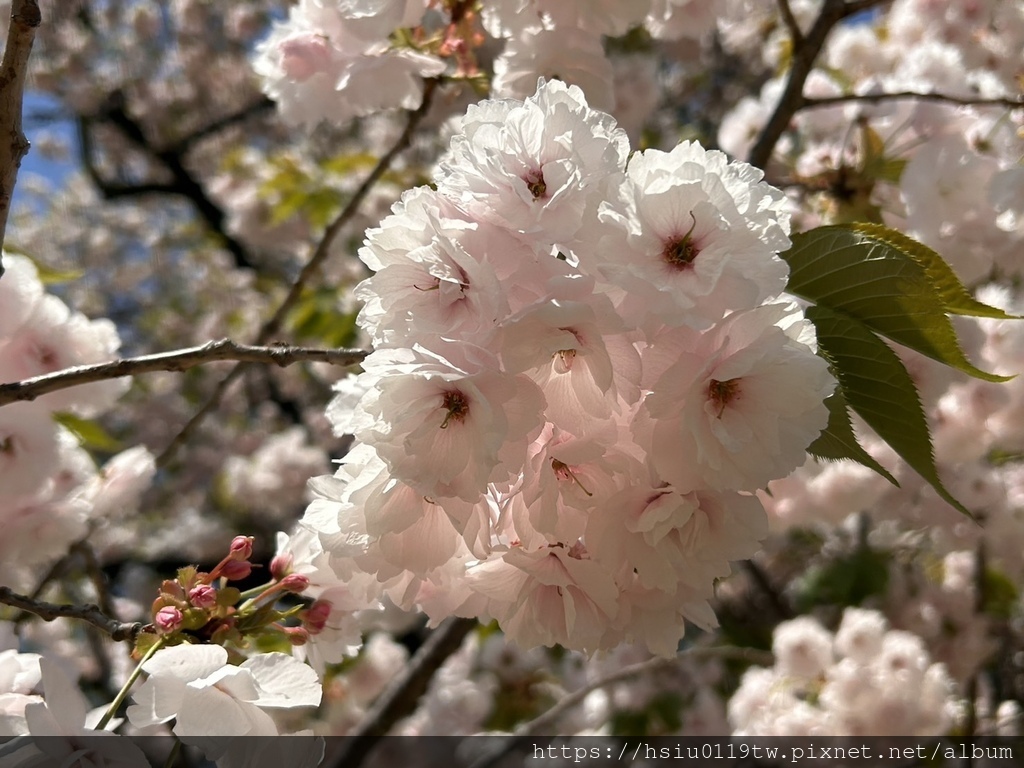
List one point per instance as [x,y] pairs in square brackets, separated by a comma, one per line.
[94,571]
[853,7]
[118,630]
[766,588]
[25,17]
[554,714]
[400,698]
[550,717]
[875,98]
[319,255]
[795,33]
[178,360]
[804,55]
[183,145]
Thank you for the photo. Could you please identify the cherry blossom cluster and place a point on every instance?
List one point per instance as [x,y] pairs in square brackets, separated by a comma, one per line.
[334,60]
[582,371]
[864,679]
[52,491]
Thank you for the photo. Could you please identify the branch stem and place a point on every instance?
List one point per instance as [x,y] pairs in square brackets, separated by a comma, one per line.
[118,630]
[177,360]
[25,18]
[272,326]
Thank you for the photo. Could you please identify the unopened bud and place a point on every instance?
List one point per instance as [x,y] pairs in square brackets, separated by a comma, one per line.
[167,619]
[203,596]
[296,635]
[315,617]
[295,582]
[281,565]
[241,548]
[236,569]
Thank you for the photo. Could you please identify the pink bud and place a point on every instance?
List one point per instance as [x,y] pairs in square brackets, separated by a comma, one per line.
[236,569]
[241,548]
[296,635]
[294,582]
[315,617]
[167,619]
[203,596]
[281,565]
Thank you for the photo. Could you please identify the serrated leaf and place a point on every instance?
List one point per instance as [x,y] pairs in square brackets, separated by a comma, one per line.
[877,386]
[955,298]
[90,434]
[838,441]
[862,272]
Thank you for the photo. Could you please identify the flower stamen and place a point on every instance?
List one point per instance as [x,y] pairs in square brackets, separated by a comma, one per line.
[456,405]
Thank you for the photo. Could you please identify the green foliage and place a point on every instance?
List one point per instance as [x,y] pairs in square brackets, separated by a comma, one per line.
[89,433]
[317,318]
[660,717]
[838,441]
[47,275]
[847,580]
[866,282]
[999,595]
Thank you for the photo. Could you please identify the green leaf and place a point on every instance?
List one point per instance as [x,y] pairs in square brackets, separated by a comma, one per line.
[838,441]
[955,298]
[868,274]
[847,580]
[877,386]
[999,595]
[90,434]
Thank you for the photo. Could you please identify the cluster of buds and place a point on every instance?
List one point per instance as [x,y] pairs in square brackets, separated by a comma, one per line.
[201,607]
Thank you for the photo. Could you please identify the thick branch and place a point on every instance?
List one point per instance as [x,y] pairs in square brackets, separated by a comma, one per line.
[183,183]
[792,97]
[319,255]
[178,360]
[875,98]
[25,17]
[183,145]
[118,630]
[402,695]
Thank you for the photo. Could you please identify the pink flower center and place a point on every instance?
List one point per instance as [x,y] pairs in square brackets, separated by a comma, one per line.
[680,251]
[456,405]
[722,393]
[535,183]
[304,56]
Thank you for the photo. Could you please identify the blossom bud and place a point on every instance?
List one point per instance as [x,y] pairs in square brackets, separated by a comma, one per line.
[236,569]
[315,617]
[167,619]
[241,548]
[294,582]
[296,635]
[203,596]
[281,565]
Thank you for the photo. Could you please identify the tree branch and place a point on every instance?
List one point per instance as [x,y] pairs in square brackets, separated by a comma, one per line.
[400,698]
[804,55]
[548,719]
[184,144]
[25,17]
[118,630]
[178,360]
[184,183]
[875,98]
[272,326]
[795,34]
